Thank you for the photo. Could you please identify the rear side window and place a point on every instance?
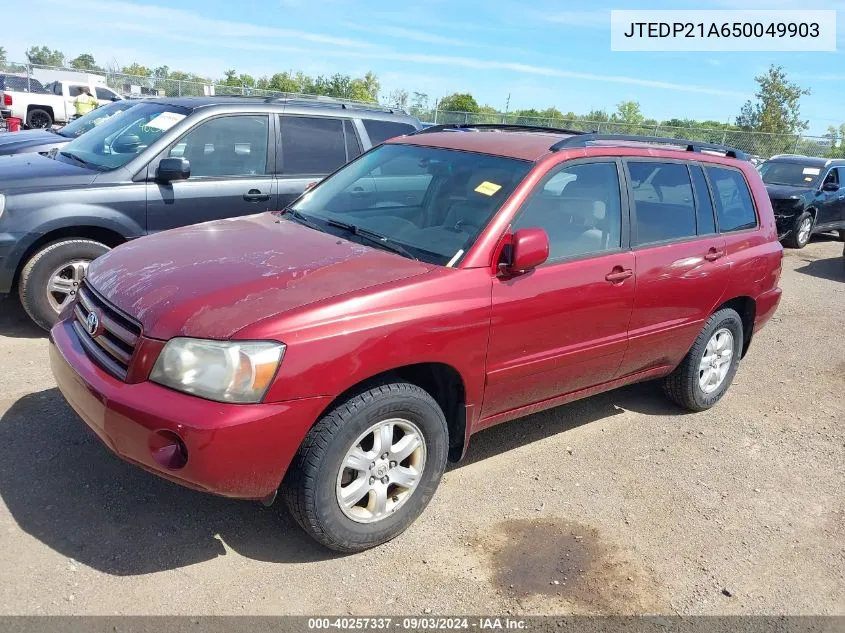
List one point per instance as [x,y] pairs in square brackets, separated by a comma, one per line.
[734,205]
[353,145]
[380,131]
[579,208]
[663,201]
[703,203]
[21,84]
[312,145]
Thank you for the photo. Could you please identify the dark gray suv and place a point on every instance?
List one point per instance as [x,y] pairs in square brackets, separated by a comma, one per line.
[162,164]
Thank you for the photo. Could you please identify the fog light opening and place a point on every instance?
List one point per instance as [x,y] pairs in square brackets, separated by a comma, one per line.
[168,449]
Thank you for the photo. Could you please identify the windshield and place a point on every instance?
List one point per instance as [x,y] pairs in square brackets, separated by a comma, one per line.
[790,174]
[432,203]
[86,122]
[119,139]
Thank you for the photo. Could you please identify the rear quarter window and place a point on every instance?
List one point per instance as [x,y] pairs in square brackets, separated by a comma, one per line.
[734,204]
[380,131]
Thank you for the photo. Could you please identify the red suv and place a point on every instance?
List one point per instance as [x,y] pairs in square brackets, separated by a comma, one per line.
[342,350]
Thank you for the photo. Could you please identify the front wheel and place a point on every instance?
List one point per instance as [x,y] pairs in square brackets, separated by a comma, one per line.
[51,278]
[801,231]
[369,467]
[709,367]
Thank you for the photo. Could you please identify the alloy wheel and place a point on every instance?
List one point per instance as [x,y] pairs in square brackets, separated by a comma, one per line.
[64,283]
[716,361]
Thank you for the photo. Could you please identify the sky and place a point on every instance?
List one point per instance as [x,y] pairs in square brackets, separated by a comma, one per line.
[520,53]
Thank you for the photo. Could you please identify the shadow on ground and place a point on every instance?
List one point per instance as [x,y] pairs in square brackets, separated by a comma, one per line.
[63,487]
[832,268]
[646,398]
[15,323]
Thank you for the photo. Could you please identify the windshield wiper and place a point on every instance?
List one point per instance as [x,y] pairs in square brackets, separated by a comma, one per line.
[376,238]
[81,161]
[302,219]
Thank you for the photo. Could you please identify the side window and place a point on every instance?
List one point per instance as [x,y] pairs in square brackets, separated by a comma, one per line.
[73,91]
[104,94]
[380,131]
[312,145]
[663,201]
[841,171]
[226,146]
[734,206]
[832,176]
[703,203]
[353,145]
[579,207]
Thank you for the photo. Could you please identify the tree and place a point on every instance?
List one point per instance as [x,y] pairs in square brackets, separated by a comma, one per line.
[778,107]
[2,56]
[85,61]
[366,88]
[597,115]
[137,70]
[162,72]
[43,56]
[458,102]
[628,112]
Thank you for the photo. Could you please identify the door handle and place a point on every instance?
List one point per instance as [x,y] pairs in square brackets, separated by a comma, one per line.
[713,254]
[255,195]
[618,275]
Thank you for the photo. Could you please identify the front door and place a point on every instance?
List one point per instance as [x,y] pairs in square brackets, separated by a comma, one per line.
[831,204]
[231,174]
[563,326]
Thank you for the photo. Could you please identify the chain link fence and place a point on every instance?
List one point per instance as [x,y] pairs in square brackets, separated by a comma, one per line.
[760,144]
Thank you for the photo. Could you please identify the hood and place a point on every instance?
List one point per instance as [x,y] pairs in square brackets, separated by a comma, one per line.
[787,192]
[30,141]
[24,171]
[211,280]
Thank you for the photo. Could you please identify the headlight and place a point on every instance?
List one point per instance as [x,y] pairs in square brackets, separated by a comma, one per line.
[226,371]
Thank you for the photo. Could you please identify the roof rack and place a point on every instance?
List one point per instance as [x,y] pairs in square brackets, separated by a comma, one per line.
[344,104]
[583,140]
[505,127]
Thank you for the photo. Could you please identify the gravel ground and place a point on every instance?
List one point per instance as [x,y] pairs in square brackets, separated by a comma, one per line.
[616,504]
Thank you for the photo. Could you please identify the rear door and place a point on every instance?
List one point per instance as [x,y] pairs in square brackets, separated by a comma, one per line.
[563,327]
[681,263]
[310,148]
[231,159]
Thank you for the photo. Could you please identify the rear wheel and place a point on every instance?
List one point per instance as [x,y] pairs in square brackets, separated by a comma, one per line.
[801,231]
[708,369]
[50,279]
[38,119]
[369,467]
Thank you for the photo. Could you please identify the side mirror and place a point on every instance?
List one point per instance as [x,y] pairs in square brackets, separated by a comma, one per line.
[170,169]
[529,249]
[830,186]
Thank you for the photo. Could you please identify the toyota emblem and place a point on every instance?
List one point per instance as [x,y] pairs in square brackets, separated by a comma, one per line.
[92,323]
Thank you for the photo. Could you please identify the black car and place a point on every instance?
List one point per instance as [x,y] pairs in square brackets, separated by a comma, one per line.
[166,163]
[807,194]
[44,140]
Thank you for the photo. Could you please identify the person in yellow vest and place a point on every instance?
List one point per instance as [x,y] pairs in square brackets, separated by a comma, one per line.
[84,102]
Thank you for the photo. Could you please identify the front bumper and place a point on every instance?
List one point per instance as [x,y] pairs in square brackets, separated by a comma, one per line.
[233,450]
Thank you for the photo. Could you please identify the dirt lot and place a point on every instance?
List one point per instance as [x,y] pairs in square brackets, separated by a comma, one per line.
[616,504]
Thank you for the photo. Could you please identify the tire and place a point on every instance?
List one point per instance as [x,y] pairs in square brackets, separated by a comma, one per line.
[38,118]
[312,486]
[683,385]
[72,257]
[793,240]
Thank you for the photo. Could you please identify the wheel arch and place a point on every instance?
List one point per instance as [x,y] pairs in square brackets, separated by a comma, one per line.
[746,307]
[441,381]
[107,236]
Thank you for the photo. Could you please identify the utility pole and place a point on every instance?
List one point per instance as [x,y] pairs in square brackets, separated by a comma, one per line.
[507,106]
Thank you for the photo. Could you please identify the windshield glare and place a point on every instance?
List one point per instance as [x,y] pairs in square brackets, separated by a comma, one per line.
[432,202]
[120,138]
[790,174]
[86,122]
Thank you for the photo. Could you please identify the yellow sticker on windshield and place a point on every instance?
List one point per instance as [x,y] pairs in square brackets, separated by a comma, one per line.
[488,188]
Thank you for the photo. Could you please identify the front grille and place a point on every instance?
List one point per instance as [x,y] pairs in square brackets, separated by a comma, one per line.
[114,341]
